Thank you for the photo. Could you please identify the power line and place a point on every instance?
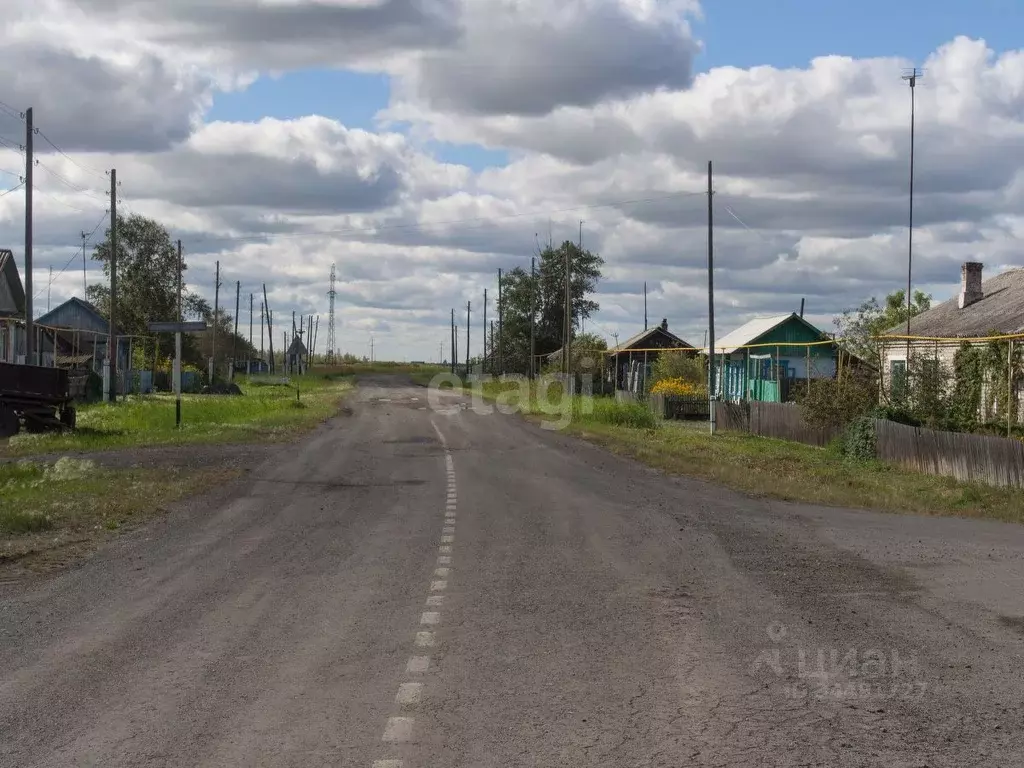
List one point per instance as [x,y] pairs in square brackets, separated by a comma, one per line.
[70,184]
[74,255]
[68,157]
[17,114]
[12,189]
[482,220]
[12,145]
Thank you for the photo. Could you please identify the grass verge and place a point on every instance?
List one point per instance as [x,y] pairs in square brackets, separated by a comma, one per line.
[265,411]
[765,467]
[50,513]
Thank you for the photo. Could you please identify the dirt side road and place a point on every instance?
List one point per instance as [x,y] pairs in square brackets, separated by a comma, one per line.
[540,603]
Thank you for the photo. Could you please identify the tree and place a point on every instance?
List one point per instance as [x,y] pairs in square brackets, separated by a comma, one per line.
[147,283]
[859,328]
[679,365]
[543,297]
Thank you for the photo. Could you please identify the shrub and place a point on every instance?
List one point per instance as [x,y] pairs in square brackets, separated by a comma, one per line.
[831,403]
[678,387]
[678,365]
[859,441]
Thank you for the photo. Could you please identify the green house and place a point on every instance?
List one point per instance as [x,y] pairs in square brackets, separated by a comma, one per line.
[763,357]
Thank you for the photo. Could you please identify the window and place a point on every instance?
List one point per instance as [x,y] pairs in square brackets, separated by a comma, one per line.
[898,379]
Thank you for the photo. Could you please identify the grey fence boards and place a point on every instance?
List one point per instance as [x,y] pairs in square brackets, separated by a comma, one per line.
[965,457]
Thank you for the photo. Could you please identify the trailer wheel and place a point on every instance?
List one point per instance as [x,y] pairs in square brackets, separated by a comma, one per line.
[68,417]
[9,423]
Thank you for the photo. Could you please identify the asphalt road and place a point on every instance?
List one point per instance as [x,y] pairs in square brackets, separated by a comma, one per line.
[534,602]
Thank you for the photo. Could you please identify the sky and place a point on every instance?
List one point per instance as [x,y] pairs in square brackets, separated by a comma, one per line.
[421,145]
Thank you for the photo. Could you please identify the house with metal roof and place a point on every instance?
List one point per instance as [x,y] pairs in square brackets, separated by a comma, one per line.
[762,358]
[77,333]
[633,359]
[980,309]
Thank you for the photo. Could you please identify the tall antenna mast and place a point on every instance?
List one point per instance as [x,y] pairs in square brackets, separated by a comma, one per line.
[911,76]
[330,320]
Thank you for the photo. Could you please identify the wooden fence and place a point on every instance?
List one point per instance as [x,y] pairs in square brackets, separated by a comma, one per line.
[779,420]
[965,457]
[786,422]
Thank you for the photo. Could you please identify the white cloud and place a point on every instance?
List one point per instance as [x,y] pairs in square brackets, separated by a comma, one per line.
[595,101]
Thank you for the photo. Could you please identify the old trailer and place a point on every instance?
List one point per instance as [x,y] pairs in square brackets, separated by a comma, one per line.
[35,397]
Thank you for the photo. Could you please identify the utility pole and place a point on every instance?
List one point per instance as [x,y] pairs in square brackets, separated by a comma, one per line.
[248,367]
[455,341]
[451,333]
[645,305]
[263,355]
[29,165]
[234,324]
[112,342]
[371,348]
[533,310]
[85,282]
[270,328]
[177,353]
[485,335]
[216,317]
[49,287]
[501,345]
[911,77]
[467,339]
[711,299]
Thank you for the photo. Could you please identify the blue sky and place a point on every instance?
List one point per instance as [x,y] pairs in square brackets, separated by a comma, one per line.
[743,33]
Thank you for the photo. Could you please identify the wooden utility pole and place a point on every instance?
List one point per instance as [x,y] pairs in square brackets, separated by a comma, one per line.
[112,339]
[711,299]
[29,165]
[645,305]
[234,325]
[501,348]
[263,352]
[451,333]
[533,311]
[177,353]
[467,338]
[216,317]
[248,368]
[270,328]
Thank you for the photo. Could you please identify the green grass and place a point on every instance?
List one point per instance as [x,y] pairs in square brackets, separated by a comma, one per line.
[266,411]
[765,467]
[47,507]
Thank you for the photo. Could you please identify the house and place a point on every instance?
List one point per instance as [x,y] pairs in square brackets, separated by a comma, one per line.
[762,358]
[76,333]
[632,360]
[295,357]
[12,310]
[980,309]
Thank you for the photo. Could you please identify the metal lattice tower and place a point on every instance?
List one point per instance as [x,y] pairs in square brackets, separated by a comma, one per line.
[330,321]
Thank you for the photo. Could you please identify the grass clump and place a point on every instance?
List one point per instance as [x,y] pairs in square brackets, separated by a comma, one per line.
[267,410]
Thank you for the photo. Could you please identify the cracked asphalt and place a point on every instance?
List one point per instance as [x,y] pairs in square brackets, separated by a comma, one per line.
[597,613]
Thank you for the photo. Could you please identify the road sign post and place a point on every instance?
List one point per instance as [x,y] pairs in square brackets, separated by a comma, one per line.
[177,329]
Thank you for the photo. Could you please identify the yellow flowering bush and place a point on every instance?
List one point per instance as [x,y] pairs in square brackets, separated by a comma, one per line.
[677,387]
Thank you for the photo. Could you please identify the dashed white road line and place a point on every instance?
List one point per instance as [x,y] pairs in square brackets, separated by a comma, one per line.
[418,664]
[399,729]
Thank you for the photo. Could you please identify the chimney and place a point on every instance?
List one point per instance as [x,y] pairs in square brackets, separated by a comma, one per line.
[970,283]
[664,324]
